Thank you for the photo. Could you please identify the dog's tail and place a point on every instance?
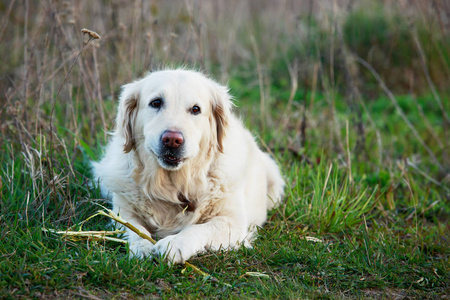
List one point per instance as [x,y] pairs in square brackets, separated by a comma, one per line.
[275,182]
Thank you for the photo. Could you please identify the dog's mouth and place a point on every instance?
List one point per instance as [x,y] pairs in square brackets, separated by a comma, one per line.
[170,160]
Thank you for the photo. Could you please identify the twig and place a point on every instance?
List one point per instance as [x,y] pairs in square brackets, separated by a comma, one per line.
[25,63]
[297,154]
[349,161]
[83,233]
[285,118]
[352,94]
[303,122]
[411,164]
[6,18]
[428,125]
[293,73]
[196,269]
[110,214]
[92,36]
[428,77]
[326,183]
[94,235]
[399,110]
[262,106]
[103,234]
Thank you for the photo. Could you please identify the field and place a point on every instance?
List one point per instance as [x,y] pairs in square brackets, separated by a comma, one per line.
[350,97]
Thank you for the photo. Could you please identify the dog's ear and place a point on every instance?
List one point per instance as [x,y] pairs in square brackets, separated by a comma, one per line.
[129,118]
[126,116]
[221,110]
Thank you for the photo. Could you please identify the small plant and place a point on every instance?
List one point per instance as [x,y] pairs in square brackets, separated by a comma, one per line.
[328,201]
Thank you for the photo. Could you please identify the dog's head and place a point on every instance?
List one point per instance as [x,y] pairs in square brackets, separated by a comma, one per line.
[175,115]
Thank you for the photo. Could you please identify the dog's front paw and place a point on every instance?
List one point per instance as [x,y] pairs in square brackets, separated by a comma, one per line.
[175,249]
[141,248]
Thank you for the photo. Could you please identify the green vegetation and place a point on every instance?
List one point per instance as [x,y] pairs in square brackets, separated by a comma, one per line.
[367,169]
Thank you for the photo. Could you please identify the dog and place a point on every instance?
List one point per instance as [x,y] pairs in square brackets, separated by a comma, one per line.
[181,167]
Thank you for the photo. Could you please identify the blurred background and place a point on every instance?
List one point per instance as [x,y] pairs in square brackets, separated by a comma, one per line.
[284,46]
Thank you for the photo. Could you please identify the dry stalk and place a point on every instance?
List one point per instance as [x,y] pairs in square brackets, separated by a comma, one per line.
[112,215]
[293,73]
[313,239]
[104,235]
[88,235]
[196,269]
[352,94]
[92,35]
[261,82]
[326,183]
[196,30]
[399,109]
[332,122]
[428,77]
[424,174]
[349,160]
[135,29]
[26,63]
[6,18]
[428,125]
[303,122]
[254,274]
[99,90]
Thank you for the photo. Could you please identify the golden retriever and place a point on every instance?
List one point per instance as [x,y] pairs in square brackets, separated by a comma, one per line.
[182,168]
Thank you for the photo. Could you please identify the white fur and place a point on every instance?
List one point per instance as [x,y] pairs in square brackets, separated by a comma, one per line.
[231,189]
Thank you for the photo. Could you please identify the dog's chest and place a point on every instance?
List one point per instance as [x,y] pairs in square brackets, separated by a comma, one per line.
[163,209]
[162,218]
[186,204]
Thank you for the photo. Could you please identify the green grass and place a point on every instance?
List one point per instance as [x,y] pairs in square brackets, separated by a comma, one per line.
[372,246]
[367,205]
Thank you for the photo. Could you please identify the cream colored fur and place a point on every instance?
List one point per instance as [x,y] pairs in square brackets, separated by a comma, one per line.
[229,182]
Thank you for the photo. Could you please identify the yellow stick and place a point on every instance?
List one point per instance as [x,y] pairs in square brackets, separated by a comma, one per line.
[115,217]
[125,223]
[83,233]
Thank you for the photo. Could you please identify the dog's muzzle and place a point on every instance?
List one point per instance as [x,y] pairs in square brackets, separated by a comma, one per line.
[172,143]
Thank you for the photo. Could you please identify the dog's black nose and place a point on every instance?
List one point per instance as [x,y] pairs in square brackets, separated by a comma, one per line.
[172,139]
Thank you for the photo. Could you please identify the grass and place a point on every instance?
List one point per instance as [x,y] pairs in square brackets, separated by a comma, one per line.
[367,200]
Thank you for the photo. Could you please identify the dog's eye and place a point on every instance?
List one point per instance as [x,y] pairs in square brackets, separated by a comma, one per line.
[195,110]
[156,103]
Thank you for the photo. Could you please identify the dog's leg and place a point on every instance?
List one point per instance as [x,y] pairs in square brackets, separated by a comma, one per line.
[220,232]
[139,247]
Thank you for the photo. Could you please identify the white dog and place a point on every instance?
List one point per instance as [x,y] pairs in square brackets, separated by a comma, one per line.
[183,169]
